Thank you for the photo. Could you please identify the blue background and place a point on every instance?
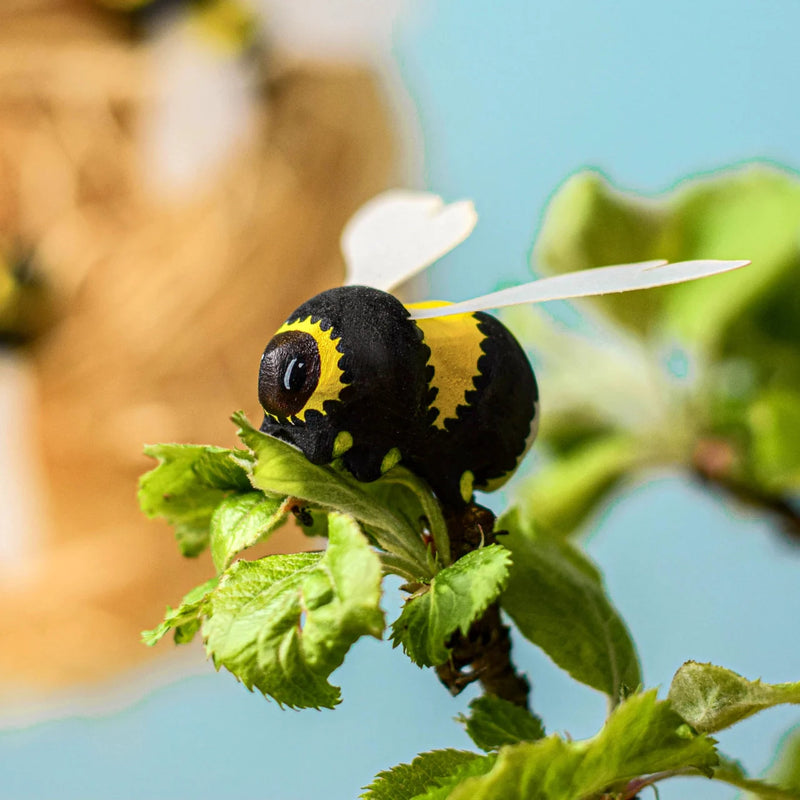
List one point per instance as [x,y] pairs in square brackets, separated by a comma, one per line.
[512,99]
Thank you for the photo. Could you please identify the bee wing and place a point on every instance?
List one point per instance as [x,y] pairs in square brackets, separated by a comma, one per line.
[600,280]
[399,233]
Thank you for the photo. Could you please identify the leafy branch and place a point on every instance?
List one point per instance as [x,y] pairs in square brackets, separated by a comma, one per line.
[283,623]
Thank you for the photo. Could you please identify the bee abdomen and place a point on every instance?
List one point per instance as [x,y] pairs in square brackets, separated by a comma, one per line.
[478,435]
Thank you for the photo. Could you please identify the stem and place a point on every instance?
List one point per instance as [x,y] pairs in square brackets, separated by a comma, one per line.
[484,653]
[637,784]
[712,464]
[757,787]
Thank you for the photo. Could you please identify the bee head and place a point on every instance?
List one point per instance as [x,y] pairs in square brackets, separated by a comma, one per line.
[349,360]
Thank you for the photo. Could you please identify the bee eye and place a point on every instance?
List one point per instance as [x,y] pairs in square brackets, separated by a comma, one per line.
[289,373]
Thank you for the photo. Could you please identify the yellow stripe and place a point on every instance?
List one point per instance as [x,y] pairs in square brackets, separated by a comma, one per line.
[455,344]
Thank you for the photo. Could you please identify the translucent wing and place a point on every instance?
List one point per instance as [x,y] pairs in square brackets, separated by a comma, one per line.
[399,233]
[601,280]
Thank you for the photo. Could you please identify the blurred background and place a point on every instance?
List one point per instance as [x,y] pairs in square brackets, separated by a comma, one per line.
[174,177]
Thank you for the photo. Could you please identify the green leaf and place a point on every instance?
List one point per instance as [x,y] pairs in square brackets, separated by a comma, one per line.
[641,736]
[786,771]
[186,619]
[282,624]
[478,766]
[775,426]
[242,520]
[456,596]
[711,698]
[410,498]
[494,722]
[216,466]
[559,497]
[425,774]
[188,484]
[754,212]
[283,470]
[751,212]
[589,223]
[556,597]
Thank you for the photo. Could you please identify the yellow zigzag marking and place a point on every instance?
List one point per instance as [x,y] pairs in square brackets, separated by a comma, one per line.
[455,344]
[330,381]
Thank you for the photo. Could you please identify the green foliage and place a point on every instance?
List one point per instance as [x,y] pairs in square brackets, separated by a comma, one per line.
[641,736]
[738,335]
[774,420]
[282,470]
[554,588]
[454,599]
[186,488]
[494,722]
[184,620]
[588,224]
[242,520]
[566,491]
[283,623]
[711,698]
[786,772]
[751,212]
[428,777]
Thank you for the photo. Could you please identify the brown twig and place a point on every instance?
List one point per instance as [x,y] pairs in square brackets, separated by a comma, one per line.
[484,653]
[714,463]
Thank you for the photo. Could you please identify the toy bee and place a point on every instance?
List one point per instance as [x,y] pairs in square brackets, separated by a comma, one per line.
[445,389]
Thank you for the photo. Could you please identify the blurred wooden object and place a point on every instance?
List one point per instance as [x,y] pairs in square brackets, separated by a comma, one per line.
[166,306]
